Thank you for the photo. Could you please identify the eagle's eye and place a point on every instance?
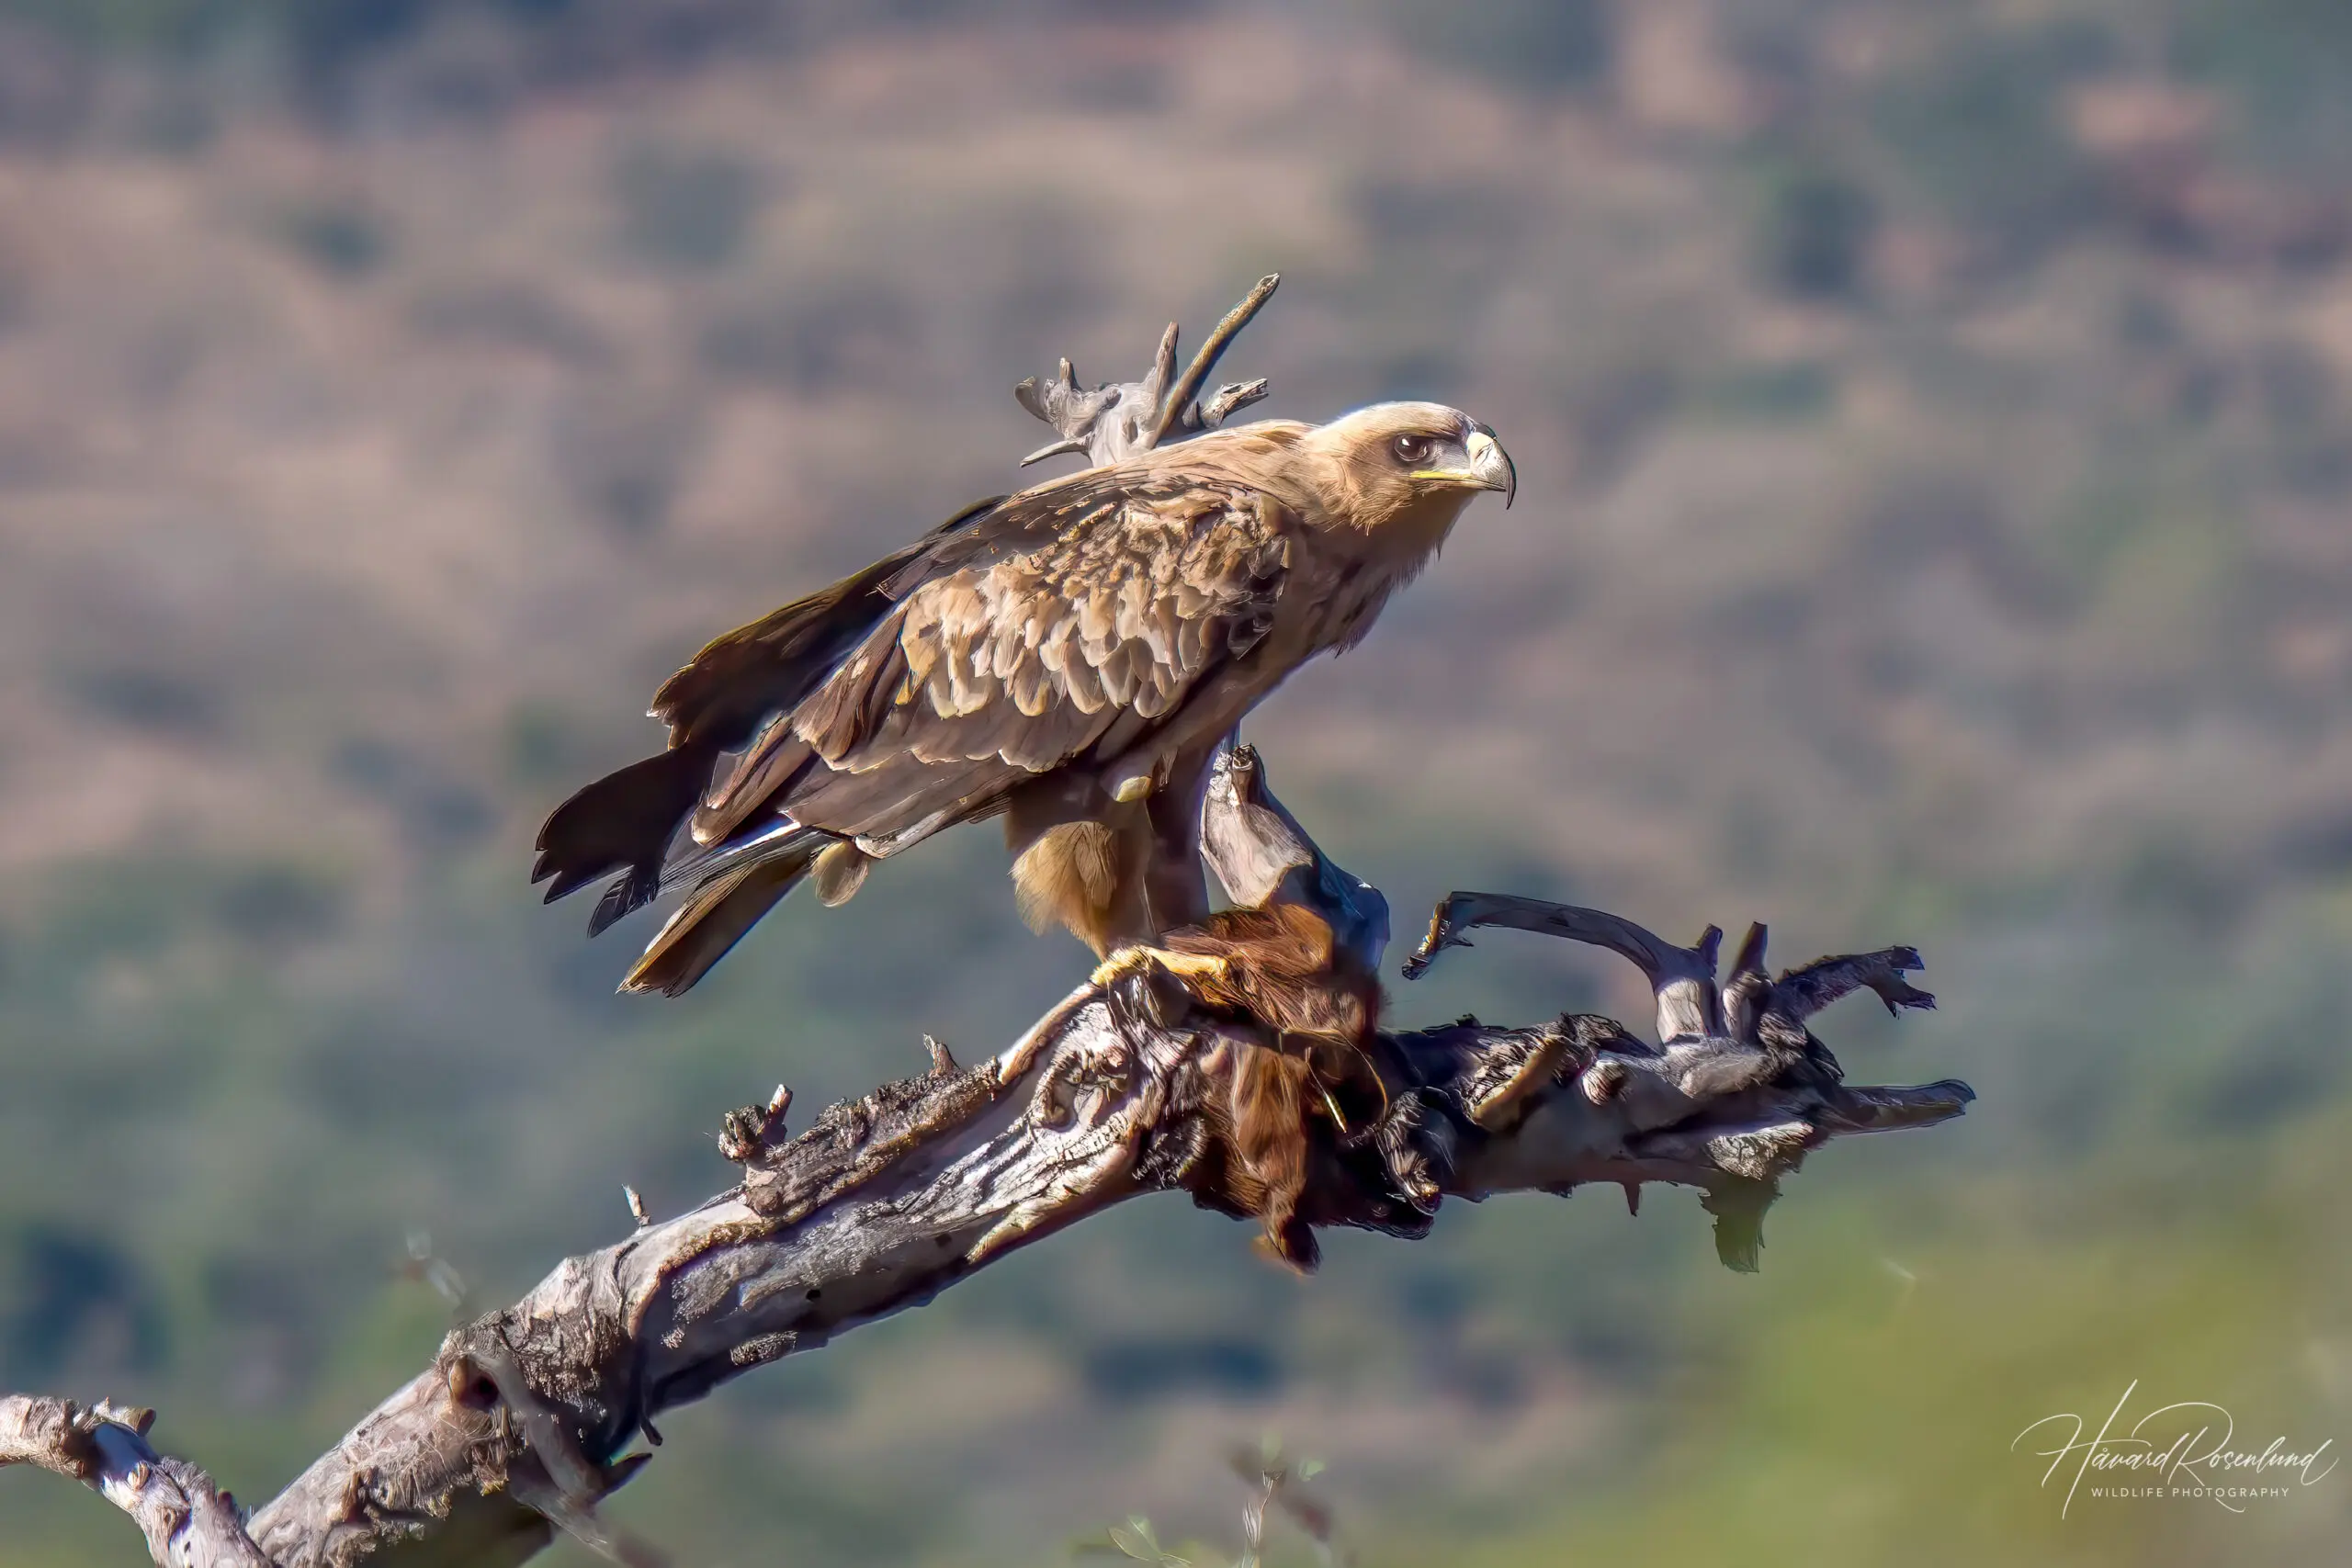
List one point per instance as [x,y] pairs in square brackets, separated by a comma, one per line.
[1411,450]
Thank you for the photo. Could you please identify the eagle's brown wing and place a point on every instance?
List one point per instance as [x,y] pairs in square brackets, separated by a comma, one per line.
[1006,659]
[714,706]
[1021,634]
[740,679]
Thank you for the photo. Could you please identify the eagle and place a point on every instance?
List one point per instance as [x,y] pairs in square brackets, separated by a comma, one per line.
[1066,658]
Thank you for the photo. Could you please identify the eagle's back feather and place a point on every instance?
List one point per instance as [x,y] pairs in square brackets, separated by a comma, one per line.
[998,669]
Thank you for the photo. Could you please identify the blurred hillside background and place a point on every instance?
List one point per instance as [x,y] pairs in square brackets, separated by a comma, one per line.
[1934,422]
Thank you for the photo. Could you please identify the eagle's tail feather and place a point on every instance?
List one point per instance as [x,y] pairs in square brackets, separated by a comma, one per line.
[714,920]
[623,820]
[632,890]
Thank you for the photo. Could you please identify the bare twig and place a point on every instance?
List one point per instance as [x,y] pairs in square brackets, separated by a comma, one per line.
[1682,977]
[189,1522]
[1118,419]
[1176,410]
[1278,1481]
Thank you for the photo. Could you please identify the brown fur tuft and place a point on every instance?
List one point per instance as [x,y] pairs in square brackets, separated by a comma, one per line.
[1271,1097]
[1279,972]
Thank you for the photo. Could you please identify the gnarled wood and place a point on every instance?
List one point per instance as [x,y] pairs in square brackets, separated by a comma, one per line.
[189,1522]
[522,1423]
[1112,422]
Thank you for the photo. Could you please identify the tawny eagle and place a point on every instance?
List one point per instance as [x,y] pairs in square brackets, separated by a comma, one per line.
[1066,658]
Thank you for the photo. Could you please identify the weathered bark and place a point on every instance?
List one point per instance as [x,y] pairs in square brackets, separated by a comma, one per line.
[1118,419]
[189,1522]
[519,1427]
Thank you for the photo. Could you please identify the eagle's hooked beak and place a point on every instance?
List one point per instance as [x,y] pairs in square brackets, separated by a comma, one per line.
[1490,465]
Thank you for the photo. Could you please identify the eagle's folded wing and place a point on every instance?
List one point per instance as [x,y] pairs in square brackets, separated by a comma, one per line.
[757,671]
[1014,649]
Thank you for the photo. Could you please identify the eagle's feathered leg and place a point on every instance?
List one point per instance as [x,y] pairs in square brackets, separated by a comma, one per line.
[1078,861]
[1176,885]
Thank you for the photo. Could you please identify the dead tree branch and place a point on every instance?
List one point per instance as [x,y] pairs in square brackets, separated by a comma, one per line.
[189,1522]
[519,1427]
[1118,419]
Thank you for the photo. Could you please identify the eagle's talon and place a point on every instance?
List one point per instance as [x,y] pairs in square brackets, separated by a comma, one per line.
[1118,966]
[1155,996]
[1138,960]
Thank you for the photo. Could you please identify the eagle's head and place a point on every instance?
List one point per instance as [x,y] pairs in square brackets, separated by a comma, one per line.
[1412,464]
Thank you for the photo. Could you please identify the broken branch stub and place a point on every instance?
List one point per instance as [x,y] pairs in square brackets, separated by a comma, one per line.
[189,1522]
[1261,855]
[1114,422]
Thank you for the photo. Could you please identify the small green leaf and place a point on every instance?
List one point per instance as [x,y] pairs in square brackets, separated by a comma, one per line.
[1136,1544]
[1310,1469]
